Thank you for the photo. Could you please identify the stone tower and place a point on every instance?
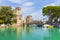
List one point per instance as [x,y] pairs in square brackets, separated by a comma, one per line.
[29,19]
[18,16]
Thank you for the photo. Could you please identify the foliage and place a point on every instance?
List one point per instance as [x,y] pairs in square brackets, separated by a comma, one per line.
[53,12]
[6,14]
[1,21]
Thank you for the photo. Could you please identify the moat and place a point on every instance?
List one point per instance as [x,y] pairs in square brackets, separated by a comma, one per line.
[29,33]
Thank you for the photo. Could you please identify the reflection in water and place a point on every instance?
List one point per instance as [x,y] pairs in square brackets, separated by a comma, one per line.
[19,33]
[29,33]
[7,34]
[54,34]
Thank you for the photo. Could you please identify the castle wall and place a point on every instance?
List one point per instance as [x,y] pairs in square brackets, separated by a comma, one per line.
[18,16]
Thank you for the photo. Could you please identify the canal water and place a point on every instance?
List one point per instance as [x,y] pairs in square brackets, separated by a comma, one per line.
[29,33]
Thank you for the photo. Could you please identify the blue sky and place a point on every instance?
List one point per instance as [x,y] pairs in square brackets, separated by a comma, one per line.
[30,7]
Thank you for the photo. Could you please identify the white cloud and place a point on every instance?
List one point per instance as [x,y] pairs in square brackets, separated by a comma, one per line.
[56,3]
[37,15]
[28,4]
[1,1]
[52,4]
[16,1]
[27,8]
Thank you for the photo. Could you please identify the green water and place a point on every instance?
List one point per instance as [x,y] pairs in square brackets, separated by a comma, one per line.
[29,33]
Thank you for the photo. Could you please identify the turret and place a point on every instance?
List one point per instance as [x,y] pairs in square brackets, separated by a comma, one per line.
[18,15]
[17,10]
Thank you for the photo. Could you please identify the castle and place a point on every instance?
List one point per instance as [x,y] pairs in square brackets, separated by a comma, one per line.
[20,21]
[18,16]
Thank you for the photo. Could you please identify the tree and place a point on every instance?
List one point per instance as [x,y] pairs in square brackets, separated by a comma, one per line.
[6,14]
[53,12]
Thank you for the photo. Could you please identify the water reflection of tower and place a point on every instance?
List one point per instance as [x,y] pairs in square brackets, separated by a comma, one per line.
[19,33]
[18,15]
[27,29]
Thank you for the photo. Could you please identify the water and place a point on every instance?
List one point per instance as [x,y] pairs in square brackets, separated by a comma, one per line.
[29,33]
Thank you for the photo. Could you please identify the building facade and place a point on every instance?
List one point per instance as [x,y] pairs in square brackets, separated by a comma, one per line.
[18,17]
[28,19]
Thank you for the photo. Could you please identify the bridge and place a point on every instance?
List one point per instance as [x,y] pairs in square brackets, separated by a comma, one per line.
[36,23]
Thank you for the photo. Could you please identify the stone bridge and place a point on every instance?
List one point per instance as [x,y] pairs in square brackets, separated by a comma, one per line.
[35,22]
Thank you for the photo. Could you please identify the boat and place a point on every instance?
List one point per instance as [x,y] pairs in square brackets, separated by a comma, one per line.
[39,25]
[59,26]
[51,26]
[48,26]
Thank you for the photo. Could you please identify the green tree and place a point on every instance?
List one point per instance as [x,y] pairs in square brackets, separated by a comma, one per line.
[53,12]
[6,14]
